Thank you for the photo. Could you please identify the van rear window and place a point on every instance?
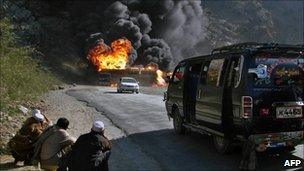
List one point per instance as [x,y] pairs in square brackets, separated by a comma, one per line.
[280,70]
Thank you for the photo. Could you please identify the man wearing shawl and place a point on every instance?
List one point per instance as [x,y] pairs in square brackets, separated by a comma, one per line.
[53,144]
[22,144]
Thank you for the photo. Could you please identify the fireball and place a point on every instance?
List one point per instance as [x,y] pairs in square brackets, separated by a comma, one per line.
[113,57]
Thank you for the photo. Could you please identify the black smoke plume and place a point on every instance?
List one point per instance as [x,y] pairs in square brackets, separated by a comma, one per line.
[178,23]
[158,30]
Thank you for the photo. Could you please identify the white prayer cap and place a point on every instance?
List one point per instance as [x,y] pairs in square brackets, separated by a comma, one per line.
[37,115]
[98,126]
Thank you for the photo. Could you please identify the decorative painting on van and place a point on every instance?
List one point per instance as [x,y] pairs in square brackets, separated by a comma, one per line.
[274,62]
[280,71]
[287,72]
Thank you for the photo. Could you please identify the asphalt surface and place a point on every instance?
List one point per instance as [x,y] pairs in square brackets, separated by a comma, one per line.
[150,143]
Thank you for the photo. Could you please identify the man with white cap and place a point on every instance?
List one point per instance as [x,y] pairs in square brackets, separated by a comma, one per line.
[91,151]
[22,144]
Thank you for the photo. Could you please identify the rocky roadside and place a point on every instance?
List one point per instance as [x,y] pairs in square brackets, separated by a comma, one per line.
[56,104]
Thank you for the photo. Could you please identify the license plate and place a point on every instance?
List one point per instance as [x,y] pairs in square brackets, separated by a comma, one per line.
[289,112]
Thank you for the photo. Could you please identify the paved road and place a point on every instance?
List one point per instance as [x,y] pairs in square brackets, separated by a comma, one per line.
[150,143]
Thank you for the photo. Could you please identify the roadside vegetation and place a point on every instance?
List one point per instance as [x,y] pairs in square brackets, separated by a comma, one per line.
[22,77]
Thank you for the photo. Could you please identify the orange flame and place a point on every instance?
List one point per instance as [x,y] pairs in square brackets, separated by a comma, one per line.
[159,82]
[114,57]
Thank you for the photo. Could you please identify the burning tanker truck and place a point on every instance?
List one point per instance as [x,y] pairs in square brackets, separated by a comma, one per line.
[115,61]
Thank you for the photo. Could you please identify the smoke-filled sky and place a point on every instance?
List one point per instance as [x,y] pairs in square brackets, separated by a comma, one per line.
[163,34]
[167,31]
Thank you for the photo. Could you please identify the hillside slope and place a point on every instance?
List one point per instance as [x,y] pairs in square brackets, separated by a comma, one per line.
[23,79]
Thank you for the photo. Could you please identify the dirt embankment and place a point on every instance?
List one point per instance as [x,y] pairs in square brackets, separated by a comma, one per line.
[56,104]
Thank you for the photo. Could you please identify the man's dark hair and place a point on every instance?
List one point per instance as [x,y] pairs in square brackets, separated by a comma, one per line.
[63,123]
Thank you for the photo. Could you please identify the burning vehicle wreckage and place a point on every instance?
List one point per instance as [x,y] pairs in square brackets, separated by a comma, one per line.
[125,45]
[115,61]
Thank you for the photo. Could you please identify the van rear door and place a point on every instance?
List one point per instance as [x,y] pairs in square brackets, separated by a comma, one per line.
[277,91]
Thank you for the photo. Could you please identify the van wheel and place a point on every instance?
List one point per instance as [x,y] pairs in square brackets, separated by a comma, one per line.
[178,123]
[222,144]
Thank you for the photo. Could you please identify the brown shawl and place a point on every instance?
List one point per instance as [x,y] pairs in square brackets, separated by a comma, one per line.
[51,142]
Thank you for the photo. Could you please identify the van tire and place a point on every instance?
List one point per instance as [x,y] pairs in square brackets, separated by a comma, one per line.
[222,145]
[179,128]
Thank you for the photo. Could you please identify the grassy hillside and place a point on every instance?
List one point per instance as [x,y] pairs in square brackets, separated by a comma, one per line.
[22,78]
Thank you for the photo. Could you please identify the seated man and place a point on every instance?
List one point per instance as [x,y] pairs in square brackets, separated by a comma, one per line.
[22,144]
[53,144]
[91,151]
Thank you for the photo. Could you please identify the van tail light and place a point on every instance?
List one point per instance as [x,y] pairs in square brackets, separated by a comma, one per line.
[246,107]
[264,112]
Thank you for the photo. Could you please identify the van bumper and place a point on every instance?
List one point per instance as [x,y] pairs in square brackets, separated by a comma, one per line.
[280,139]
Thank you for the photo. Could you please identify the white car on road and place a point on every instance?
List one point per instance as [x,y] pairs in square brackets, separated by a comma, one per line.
[127,84]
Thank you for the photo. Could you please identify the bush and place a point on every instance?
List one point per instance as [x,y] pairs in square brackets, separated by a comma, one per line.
[22,79]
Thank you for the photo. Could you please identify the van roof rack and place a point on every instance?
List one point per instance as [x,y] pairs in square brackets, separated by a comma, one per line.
[254,45]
